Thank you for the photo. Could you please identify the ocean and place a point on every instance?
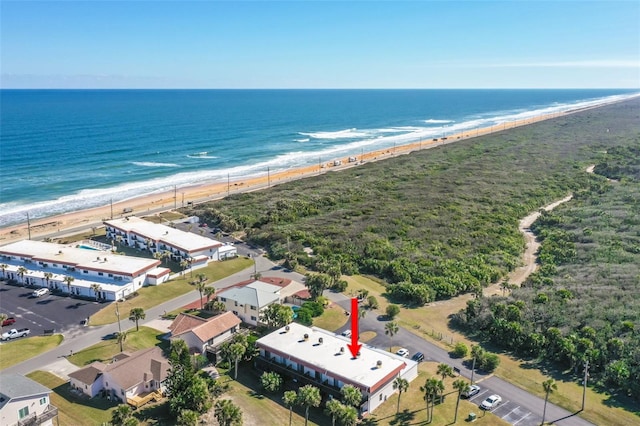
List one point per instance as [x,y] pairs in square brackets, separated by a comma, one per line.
[67,150]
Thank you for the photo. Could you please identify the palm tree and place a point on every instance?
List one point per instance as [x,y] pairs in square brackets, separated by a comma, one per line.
[236,351]
[96,289]
[201,283]
[123,415]
[47,277]
[390,329]
[432,388]
[333,407]
[348,416]
[461,386]
[290,399]
[136,314]
[549,386]
[68,280]
[227,413]
[3,317]
[209,292]
[218,306]
[121,336]
[184,264]
[308,396]
[4,267]
[445,370]
[402,385]
[351,395]
[476,353]
[21,271]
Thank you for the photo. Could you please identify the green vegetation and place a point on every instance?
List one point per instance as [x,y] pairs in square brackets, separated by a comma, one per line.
[105,351]
[151,296]
[19,350]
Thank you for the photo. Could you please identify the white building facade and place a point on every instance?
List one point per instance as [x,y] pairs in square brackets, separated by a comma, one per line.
[79,271]
[319,357]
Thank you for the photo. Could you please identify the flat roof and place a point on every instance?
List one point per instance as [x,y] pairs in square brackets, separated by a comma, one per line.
[257,294]
[186,241]
[95,260]
[328,359]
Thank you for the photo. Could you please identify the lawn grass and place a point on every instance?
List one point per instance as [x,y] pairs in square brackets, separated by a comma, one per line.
[260,408]
[164,216]
[19,350]
[105,350]
[73,409]
[151,296]
[332,318]
[413,407]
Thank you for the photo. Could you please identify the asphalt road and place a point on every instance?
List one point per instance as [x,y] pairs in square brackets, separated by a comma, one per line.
[518,406]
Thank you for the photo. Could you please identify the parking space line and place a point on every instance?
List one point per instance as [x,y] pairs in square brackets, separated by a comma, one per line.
[479,394]
[502,404]
[509,413]
[522,418]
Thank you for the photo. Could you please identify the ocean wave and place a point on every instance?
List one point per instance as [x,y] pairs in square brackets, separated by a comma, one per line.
[203,154]
[433,121]
[153,164]
[340,134]
[301,140]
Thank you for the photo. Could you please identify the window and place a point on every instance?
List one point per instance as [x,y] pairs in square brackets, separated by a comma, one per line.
[23,412]
[223,299]
[254,318]
[100,273]
[43,401]
[380,397]
[84,271]
[236,303]
[254,308]
[111,275]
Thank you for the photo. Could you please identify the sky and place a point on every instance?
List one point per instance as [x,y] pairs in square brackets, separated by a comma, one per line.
[320,44]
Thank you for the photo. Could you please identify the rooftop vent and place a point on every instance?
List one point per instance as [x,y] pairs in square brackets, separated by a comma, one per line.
[286,329]
[306,337]
[378,364]
[320,340]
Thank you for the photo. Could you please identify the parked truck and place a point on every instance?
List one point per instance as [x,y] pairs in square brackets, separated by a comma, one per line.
[14,334]
[8,321]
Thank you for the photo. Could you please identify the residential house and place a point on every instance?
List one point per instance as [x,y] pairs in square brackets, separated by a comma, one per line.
[205,336]
[133,378]
[25,402]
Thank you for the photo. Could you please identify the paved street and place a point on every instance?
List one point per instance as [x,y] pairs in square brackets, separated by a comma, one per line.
[518,407]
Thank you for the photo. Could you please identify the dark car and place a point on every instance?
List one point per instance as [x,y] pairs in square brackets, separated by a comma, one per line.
[418,357]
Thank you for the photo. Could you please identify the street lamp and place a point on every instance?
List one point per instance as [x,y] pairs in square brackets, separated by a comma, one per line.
[119,327]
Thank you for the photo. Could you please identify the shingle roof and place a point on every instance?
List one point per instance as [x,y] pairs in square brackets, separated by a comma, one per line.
[17,386]
[89,374]
[216,326]
[185,322]
[130,371]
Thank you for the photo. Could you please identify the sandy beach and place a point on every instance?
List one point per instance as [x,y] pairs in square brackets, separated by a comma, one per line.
[184,196]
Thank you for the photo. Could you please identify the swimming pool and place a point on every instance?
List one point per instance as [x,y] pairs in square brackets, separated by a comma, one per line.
[82,246]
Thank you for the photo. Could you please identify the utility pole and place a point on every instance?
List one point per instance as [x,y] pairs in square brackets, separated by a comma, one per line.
[28,225]
[228,185]
[473,369]
[268,178]
[119,327]
[584,383]
[175,197]
[183,199]
[111,204]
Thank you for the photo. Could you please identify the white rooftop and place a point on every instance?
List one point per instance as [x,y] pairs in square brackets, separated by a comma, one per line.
[257,293]
[327,356]
[186,241]
[79,258]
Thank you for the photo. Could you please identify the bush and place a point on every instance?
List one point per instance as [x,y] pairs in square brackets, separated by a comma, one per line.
[340,286]
[489,362]
[315,308]
[372,302]
[304,317]
[460,350]
[392,311]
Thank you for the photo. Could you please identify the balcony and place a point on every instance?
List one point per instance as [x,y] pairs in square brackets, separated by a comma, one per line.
[35,419]
[302,378]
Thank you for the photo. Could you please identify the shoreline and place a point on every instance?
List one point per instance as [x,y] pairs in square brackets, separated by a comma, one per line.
[151,204]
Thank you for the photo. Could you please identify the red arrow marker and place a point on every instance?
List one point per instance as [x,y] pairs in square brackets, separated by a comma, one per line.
[354,347]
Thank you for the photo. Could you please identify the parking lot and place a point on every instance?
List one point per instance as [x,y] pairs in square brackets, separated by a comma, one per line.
[508,411]
[48,312]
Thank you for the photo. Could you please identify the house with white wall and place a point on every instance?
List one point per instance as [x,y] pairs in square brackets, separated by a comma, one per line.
[315,356]
[79,271]
[129,378]
[202,335]
[25,402]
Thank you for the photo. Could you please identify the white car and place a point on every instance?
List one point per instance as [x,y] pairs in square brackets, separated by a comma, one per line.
[40,292]
[491,402]
[473,389]
[403,352]
[346,333]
